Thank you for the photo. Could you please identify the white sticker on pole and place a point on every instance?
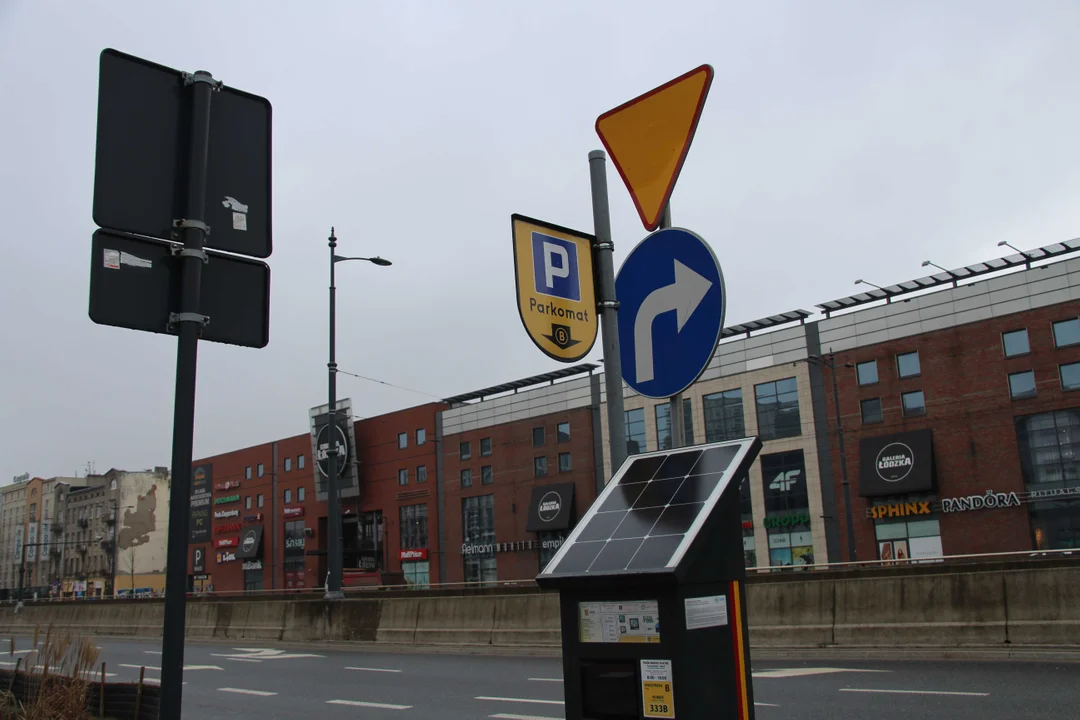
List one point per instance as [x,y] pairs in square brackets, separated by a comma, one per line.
[112,259]
[703,612]
[657,689]
[134,261]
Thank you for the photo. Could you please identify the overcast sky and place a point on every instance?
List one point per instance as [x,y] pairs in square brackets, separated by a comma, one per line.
[840,140]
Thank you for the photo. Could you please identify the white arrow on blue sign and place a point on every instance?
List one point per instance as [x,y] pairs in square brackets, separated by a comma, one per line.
[671,312]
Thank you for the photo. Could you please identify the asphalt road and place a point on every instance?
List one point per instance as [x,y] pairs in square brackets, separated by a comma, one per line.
[257,680]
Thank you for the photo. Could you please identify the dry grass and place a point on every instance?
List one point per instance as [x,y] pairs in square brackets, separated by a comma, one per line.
[64,666]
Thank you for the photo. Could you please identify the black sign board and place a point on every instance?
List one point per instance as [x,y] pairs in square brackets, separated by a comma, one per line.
[198,560]
[322,442]
[896,464]
[348,471]
[250,542]
[142,147]
[550,507]
[199,523]
[135,284]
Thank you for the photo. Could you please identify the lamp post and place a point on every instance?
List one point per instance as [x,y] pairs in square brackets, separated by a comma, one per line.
[888,297]
[928,263]
[1027,259]
[333,523]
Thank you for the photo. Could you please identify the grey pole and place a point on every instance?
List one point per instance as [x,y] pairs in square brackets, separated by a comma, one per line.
[333,522]
[852,555]
[678,435]
[188,322]
[608,308]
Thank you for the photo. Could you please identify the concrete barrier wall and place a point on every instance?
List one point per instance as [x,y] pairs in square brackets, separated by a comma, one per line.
[974,607]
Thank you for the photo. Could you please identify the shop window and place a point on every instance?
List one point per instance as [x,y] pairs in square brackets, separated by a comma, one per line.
[866,372]
[787,509]
[299,462]
[1022,384]
[663,425]
[465,450]
[421,473]
[414,526]
[1016,343]
[417,574]
[778,409]
[724,416]
[1067,332]
[402,477]
[486,476]
[871,411]
[539,466]
[538,437]
[562,432]
[293,561]
[253,580]
[478,524]
[402,441]
[907,364]
[910,537]
[466,477]
[421,436]
[635,431]
[288,464]
[485,446]
[914,403]
[1070,376]
[1050,449]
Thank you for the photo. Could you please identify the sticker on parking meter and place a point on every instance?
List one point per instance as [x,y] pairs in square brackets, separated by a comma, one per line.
[657,691]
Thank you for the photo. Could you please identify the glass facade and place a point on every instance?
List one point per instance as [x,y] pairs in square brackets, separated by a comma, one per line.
[724,416]
[787,509]
[911,537]
[778,409]
[635,432]
[663,424]
[293,563]
[1050,459]
[414,526]
[478,524]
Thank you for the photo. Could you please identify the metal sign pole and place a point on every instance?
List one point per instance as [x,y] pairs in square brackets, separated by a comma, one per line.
[608,308]
[678,436]
[333,520]
[188,322]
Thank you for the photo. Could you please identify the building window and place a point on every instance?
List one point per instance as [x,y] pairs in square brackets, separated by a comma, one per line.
[300,492]
[1050,459]
[403,477]
[907,364]
[486,476]
[485,446]
[724,416]
[421,436]
[910,537]
[465,450]
[247,473]
[914,403]
[466,478]
[402,440]
[663,425]
[288,496]
[414,526]
[259,501]
[421,473]
[1016,343]
[787,509]
[565,463]
[299,462]
[867,372]
[871,411]
[538,436]
[562,432]
[1022,384]
[247,502]
[1067,332]
[262,470]
[1070,376]
[778,409]
[540,466]
[417,574]
[635,431]
[253,580]
[288,464]
[478,524]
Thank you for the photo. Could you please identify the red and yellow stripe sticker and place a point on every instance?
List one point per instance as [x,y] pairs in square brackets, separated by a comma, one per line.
[740,649]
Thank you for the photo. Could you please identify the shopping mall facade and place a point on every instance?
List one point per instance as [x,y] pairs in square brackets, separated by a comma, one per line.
[959,424]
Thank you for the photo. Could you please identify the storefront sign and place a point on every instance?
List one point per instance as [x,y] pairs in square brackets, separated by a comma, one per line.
[227,542]
[251,542]
[899,510]
[413,555]
[896,464]
[198,560]
[227,485]
[224,557]
[552,543]
[783,521]
[488,548]
[990,501]
[1036,495]
[293,512]
[257,517]
[344,440]
[294,542]
[252,565]
[227,527]
[550,508]
[747,524]
[199,508]
[226,499]
[220,514]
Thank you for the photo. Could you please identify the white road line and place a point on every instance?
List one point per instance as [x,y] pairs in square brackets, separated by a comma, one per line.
[23,652]
[152,652]
[511,716]
[766,704]
[186,667]
[136,667]
[546,679]
[519,700]
[916,692]
[373,669]
[360,703]
[802,672]
[242,659]
[241,691]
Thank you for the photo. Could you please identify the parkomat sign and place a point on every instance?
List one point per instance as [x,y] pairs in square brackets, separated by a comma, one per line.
[227,542]
[226,499]
[413,555]
[898,464]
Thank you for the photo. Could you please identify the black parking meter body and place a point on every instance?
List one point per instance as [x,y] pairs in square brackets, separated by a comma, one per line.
[651,591]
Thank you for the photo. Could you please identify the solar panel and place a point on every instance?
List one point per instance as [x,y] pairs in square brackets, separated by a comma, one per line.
[652,510]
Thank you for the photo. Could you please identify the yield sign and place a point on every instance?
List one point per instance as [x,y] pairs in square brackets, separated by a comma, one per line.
[649,136]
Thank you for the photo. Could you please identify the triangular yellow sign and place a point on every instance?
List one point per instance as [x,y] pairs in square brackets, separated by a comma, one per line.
[648,139]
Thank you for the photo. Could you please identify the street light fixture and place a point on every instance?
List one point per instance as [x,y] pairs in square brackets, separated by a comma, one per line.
[888,298]
[1006,243]
[926,263]
[333,524]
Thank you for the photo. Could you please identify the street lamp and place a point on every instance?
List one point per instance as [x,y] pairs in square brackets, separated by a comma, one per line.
[888,298]
[1005,243]
[926,263]
[333,524]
